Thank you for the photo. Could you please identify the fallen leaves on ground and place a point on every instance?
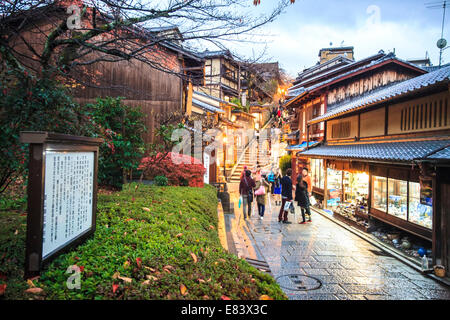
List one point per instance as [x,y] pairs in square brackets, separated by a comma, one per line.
[34,290]
[183,289]
[2,289]
[30,283]
[265,297]
[150,277]
[194,257]
[125,279]
[146,209]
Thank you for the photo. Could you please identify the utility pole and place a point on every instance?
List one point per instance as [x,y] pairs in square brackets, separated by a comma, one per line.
[442,33]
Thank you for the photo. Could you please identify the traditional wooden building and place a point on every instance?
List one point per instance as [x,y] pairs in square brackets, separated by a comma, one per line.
[386,156]
[157,81]
[322,89]
[223,75]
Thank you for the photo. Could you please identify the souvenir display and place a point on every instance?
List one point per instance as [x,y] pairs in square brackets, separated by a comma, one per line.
[379,195]
[418,212]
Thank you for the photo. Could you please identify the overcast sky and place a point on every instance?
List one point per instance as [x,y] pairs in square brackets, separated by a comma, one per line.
[296,37]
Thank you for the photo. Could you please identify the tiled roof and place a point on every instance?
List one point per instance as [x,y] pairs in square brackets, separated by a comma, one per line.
[383,59]
[301,146]
[206,106]
[321,68]
[214,98]
[440,155]
[387,151]
[387,92]
[379,57]
[210,54]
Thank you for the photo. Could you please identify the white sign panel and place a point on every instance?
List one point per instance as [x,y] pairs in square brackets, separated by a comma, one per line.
[206,165]
[68,196]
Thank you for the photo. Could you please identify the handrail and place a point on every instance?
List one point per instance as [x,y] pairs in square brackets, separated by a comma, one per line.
[245,150]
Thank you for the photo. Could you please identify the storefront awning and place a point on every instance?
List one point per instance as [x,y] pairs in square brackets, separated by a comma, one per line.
[384,151]
[205,106]
[301,146]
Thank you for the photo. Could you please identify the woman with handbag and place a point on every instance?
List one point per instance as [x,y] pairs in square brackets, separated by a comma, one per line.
[302,198]
[261,190]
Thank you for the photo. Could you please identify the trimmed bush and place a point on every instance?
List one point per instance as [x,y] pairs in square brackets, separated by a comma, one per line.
[161,181]
[180,170]
[150,243]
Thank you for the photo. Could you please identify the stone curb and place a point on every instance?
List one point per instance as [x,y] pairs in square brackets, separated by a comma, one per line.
[382,246]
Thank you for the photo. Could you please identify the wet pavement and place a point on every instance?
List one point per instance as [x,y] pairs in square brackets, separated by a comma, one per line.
[323,261]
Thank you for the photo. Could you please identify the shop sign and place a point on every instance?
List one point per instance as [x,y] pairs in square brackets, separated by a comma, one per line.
[426,191]
[206,164]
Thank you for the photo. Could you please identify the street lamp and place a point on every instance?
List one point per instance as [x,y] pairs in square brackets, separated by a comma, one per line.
[224,155]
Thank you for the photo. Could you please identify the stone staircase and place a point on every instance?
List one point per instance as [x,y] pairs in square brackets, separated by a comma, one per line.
[250,159]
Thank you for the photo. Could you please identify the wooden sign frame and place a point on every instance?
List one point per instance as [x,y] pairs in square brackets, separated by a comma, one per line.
[39,144]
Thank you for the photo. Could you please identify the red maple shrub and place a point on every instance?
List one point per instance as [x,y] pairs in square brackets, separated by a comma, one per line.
[179,169]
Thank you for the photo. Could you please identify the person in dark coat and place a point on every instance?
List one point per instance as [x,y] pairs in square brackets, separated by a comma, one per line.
[302,197]
[286,195]
[245,188]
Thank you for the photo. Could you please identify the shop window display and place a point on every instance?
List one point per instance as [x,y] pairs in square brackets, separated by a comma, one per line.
[354,207]
[379,196]
[334,187]
[398,198]
[356,187]
[419,211]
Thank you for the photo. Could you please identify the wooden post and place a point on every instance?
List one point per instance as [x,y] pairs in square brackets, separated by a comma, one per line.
[325,184]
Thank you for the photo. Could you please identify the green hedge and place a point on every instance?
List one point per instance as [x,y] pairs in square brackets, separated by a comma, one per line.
[143,233]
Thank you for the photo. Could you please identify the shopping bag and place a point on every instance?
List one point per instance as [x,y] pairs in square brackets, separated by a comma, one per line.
[312,201]
[292,208]
[240,201]
[287,205]
[277,190]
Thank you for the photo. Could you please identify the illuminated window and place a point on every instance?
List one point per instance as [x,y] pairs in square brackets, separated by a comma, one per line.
[379,195]
[420,212]
[397,201]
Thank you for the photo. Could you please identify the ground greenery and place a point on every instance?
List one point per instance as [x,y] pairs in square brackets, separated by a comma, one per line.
[151,243]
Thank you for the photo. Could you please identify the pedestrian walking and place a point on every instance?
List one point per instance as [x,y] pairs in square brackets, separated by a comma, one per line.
[276,187]
[257,173]
[307,179]
[302,198]
[246,191]
[286,196]
[243,172]
[261,190]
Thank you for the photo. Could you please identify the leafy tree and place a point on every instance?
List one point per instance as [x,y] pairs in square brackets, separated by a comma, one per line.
[31,104]
[285,163]
[121,126]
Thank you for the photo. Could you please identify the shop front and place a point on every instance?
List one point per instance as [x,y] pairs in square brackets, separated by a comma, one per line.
[347,190]
[355,191]
[404,198]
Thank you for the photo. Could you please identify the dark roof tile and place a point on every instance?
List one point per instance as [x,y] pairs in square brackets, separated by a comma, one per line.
[388,151]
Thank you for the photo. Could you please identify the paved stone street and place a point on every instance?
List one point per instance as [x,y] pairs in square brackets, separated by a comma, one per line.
[342,264]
